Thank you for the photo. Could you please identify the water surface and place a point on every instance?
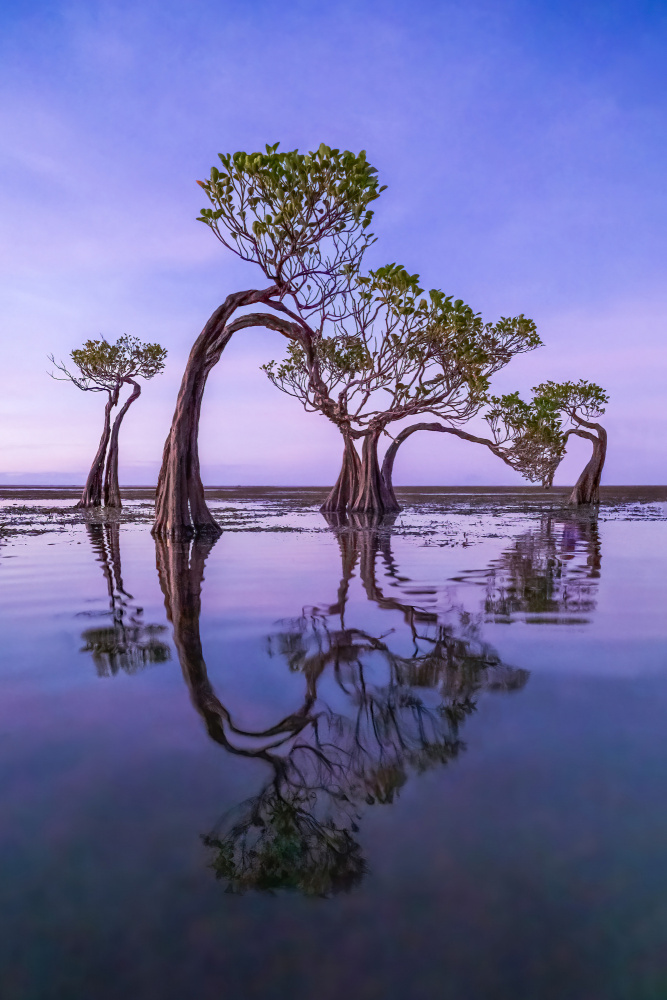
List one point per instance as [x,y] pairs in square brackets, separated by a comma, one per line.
[423,758]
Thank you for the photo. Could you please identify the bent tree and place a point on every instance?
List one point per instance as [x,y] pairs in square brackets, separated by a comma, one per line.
[303,220]
[578,404]
[531,437]
[105,367]
[396,354]
[526,436]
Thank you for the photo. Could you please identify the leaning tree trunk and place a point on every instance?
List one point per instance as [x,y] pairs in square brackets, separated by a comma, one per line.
[92,491]
[180,507]
[587,488]
[372,496]
[347,485]
[387,471]
[180,566]
[111,487]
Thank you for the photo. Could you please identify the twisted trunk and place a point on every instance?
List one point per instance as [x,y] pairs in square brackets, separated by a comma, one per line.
[372,495]
[347,484]
[387,471]
[180,507]
[180,566]
[92,491]
[586,491]
[587,488]
[111,487]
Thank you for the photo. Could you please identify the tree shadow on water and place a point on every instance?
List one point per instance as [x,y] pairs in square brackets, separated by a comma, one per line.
[549,575]
[372,713]
[127,644]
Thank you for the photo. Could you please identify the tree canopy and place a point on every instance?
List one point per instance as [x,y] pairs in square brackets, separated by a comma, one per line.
[104,366]
[577,401]
[401,352]
[303,218]
[538,430]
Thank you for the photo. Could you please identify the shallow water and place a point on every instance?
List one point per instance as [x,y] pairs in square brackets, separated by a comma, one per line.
[424,759]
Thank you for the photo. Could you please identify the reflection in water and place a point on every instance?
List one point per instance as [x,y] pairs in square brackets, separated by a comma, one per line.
[369,716]
[127,644]
[549,575]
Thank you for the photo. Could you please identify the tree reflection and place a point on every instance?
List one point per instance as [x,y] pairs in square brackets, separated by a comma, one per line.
[126,644]
[549,575]
[371,713]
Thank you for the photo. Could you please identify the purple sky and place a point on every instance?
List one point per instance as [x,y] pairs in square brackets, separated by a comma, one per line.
[525,151]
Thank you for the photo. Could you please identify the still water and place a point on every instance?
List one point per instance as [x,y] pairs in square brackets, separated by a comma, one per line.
[420,759]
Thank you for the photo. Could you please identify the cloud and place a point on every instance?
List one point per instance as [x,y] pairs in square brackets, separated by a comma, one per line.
[525,160]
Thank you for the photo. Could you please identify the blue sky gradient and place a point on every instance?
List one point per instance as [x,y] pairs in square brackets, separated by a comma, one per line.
[525,151]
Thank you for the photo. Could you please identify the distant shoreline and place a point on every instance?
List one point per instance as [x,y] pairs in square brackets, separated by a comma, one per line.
[607,493]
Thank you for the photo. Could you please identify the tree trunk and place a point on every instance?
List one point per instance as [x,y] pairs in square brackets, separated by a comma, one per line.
[111,487]
[587,488]
[112,531]
[92,491]
[180,507]
[372,496]
[387,475]
[347,484]
[180,568]
[387,471]
[98,541]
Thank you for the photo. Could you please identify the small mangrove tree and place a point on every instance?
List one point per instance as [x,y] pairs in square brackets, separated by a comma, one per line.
[105,367]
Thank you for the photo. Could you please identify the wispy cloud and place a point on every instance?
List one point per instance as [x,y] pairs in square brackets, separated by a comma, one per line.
[525,157]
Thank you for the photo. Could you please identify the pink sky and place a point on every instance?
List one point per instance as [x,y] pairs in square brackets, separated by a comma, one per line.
[525,158]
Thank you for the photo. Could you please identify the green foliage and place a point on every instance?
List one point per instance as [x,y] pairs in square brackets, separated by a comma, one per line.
[536,429]
[421,351]
[302,217]
[534,432]
[576,399]
[509,415]
[282,845]
[106,366]
[341,358]
[394,287]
